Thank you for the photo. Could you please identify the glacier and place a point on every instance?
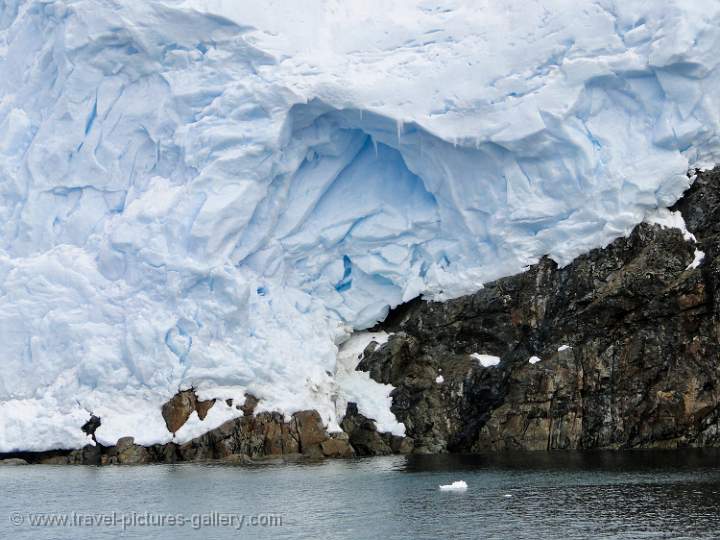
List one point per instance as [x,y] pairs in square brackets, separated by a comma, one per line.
[216,194]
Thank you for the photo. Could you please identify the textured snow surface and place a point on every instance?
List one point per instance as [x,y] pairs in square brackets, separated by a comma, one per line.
[214,193]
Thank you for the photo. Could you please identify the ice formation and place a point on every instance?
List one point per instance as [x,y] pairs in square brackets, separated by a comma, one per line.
[458,485]
[486,360]
[214,193]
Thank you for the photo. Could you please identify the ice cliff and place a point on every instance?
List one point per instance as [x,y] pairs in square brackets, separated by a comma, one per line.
[215,193]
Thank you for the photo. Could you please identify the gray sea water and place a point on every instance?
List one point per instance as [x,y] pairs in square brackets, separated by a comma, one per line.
[565,495]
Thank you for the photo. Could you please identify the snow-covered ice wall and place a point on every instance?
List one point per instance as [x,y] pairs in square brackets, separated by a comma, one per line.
[214,193]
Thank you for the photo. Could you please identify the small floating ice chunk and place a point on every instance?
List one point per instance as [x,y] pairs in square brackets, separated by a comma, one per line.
[562,348]
[439,379]
[534,360]
[699,256]
[486,360]
[458,485]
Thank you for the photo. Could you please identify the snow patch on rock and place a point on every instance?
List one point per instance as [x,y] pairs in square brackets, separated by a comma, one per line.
[372,398]
[670,220]
[697,260]
[486,360]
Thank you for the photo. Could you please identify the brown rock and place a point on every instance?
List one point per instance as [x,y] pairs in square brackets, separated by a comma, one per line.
[123,443]
[273,438]
[310,431]
[248,408]
[13,462]
[181,406]
[164,453]
[290,437]
[239,459]
[55,460]
[178,409]
[337,448]
[202,407]
[196,450]
[129,453]
[402,445]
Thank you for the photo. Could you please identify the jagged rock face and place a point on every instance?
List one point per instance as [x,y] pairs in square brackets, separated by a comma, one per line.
[365,438]
[177,411]
[266,435]
[242,440]
[641,366]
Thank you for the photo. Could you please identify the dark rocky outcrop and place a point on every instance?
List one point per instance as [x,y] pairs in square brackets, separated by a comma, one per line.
[244,440]
[367,440]
[266,435]
[363,434]
[89,427]
[641,368]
